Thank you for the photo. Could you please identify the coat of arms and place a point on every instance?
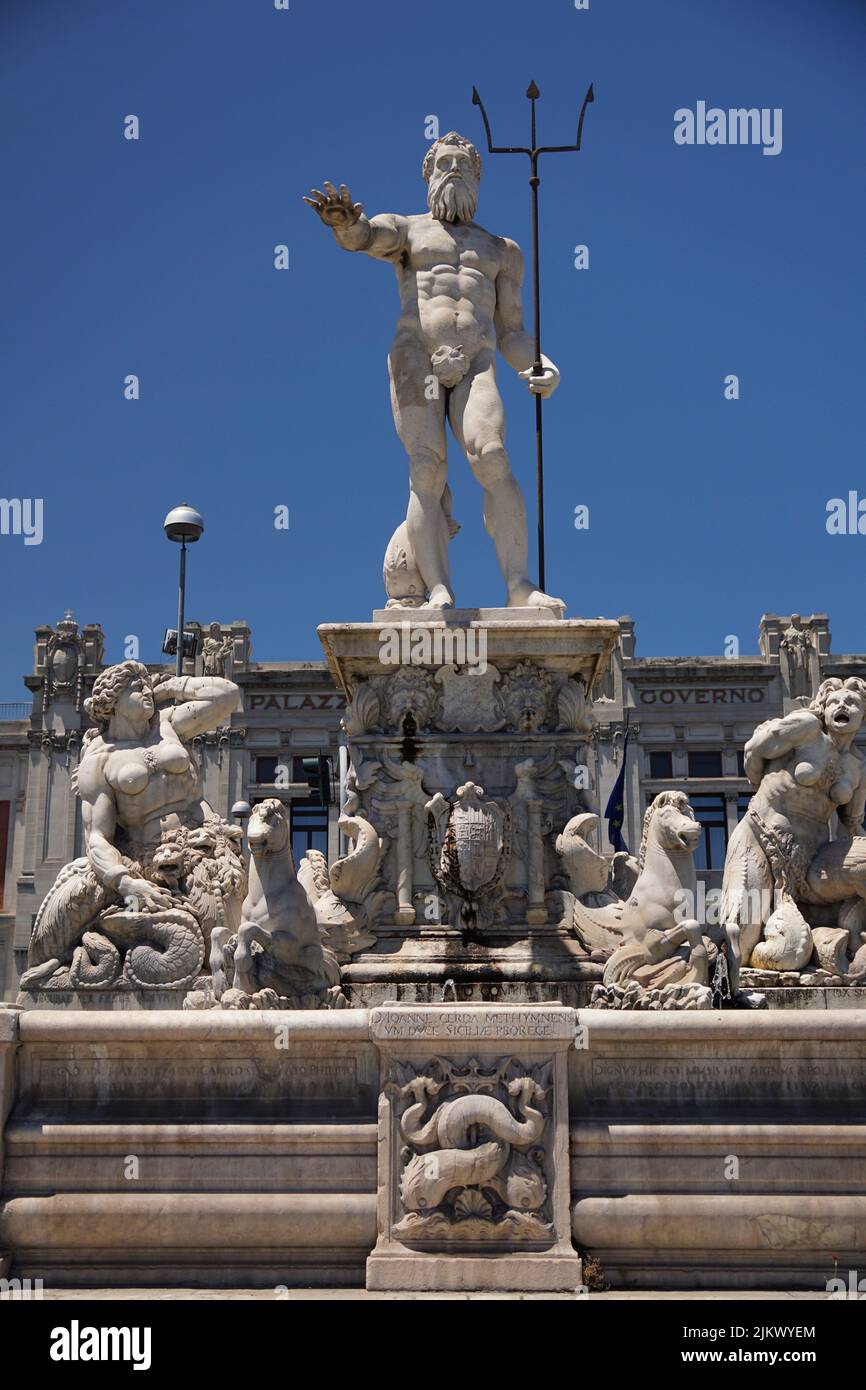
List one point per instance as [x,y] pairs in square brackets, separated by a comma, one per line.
[470,841]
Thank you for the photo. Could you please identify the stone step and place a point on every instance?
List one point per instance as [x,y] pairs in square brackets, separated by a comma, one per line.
[722,1242]
[78,1156]
[270,1239]
[611,1158]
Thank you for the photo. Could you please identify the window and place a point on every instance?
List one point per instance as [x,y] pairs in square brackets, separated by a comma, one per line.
[266,769]
[310,815]
[316,772]
[710,812]
[661,764]
[705,762]
[309,829]
[743,804]
[741,762]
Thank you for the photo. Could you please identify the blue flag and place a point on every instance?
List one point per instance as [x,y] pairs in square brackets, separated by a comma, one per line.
[615,809]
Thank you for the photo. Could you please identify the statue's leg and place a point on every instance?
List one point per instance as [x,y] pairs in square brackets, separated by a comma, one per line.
[747,898]
[420,424]
[478,421]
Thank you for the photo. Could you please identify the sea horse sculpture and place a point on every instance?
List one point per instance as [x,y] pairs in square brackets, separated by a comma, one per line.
[429,1176]
[662,944]
[648,936]
[595,912]
[343,896]
[352,874]
[278,947]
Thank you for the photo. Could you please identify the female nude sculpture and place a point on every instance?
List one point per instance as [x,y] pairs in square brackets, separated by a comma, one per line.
[804,767]
[160,869]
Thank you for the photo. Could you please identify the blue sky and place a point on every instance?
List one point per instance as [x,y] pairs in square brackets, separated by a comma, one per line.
[262,388]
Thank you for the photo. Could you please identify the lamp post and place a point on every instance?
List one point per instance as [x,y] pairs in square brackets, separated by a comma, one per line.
[241,812]
[182,524]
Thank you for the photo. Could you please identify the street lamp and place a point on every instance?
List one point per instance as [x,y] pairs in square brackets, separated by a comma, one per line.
[240,813]
[183,524]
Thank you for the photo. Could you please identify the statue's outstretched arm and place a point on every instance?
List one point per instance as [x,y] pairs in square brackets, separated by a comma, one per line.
[204,702]
[516,345]
[383,236]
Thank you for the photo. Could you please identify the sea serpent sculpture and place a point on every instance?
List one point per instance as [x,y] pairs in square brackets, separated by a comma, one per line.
[453,1164]
[85,938]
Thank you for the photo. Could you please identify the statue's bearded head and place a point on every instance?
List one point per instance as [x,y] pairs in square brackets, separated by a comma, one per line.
[452,172]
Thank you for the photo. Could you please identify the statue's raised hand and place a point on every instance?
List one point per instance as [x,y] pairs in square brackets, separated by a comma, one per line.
[336,209]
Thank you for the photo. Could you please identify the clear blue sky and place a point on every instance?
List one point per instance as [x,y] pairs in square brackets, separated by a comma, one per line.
[261,388]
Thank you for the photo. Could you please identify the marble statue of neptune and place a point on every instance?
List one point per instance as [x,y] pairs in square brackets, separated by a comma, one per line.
[459,301]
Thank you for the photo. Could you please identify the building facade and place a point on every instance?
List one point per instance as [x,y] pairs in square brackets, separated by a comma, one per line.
[669,721]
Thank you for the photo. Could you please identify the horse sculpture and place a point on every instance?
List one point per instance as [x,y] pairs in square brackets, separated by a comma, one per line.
[278,947]
[661,946]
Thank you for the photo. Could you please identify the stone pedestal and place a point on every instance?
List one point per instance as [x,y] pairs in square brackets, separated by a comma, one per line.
[473,1149]
[706,1150]
[470,736]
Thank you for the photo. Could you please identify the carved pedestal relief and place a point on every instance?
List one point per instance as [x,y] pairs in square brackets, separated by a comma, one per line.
[483,858]
[473,1148]
[473,1154]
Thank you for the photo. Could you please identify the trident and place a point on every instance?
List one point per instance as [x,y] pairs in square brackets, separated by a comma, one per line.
[537,368]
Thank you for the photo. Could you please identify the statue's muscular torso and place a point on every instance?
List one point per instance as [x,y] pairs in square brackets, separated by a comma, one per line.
[447,277]
[146,782]
[803,776]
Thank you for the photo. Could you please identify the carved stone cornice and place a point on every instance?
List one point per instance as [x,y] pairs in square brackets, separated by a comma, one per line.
[615,730]
[68,742]
[221,738]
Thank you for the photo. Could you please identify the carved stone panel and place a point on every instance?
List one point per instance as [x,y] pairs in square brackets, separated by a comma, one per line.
[473,1149]
[469,701]
[473,1158]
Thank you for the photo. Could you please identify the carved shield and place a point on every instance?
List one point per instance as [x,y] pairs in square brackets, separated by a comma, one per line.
[476,828]
[63,662]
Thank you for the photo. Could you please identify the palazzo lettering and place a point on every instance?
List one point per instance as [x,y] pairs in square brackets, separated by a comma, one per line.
[283,700]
